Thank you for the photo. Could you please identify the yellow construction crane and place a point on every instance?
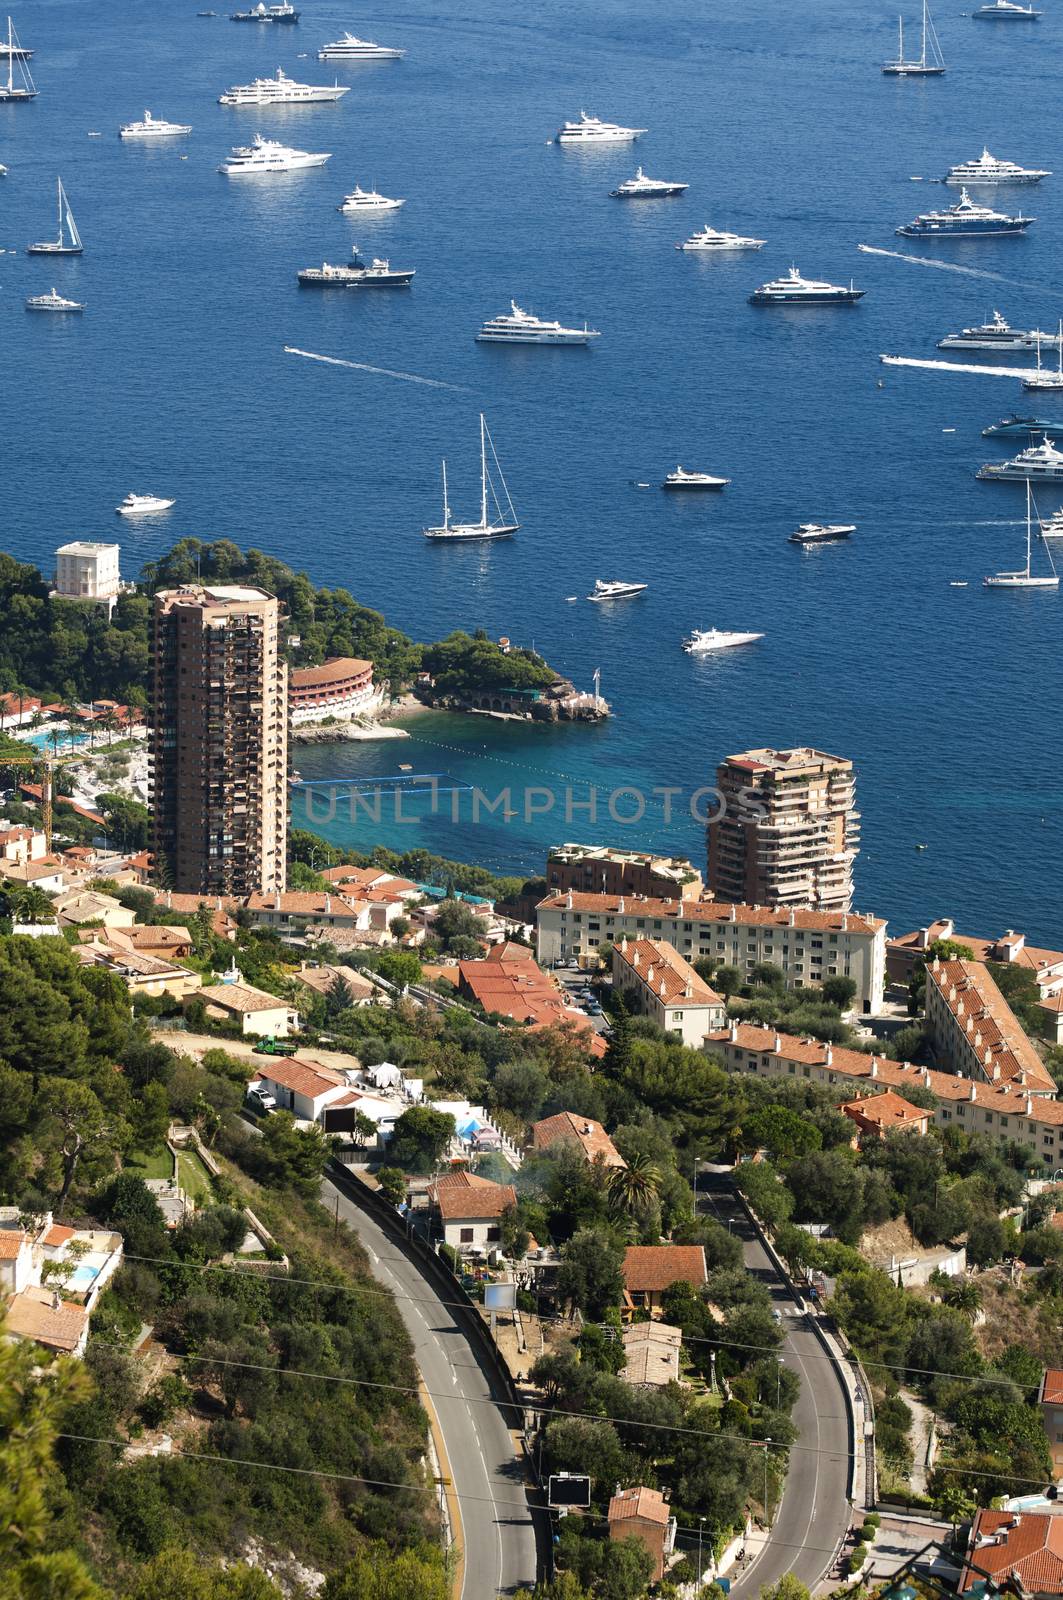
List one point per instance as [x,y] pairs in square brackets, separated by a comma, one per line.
[46,766]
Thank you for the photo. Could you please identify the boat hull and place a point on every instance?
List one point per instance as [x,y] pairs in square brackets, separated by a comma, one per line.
[11,96]
[995,230]
[267,170]
[829,537]
[55,249]
[462,533]
[902,69]
[1021,427]
[534,338]
[722,247]
[1007,473]
[696,487]
[657,191]
[843,297]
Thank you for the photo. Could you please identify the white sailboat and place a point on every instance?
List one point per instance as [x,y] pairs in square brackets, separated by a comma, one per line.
[16,56]
[506,520]
[1042,379]
[931,66]
[69,241]
[1027,579]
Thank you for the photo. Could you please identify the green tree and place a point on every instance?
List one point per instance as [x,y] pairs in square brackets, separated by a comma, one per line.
[28,905]
[378,1572]
[634,1186]
[73,1119]
[780,1131]
[421,1138]
[591,1275]
[787,1588]
[291,1156]
[400,967]
[770,1199]
[392,1184]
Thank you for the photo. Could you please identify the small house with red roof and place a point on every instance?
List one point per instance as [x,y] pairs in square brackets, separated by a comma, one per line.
[469,1210]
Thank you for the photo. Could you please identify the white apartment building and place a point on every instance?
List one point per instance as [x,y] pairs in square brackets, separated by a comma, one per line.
[86,569]
[808,945]
[658,983]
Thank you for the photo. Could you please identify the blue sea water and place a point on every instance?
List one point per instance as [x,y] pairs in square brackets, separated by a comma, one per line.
[176,381]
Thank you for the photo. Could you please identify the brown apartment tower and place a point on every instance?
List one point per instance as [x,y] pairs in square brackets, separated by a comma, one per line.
[219,740]
[789,831]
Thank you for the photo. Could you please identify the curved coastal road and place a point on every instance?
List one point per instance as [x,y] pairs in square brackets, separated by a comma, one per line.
[814,1512]
[485,1462]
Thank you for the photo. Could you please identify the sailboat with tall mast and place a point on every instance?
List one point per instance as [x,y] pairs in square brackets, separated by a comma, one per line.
[69,241]
[16,57]
[1044,378]
[1026,579]
[927,66]
[504,522]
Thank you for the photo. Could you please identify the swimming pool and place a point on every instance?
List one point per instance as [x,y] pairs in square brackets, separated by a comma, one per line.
[84,1277]
[65,739]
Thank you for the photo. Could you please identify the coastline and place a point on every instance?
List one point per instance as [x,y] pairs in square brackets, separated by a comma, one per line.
[363,729]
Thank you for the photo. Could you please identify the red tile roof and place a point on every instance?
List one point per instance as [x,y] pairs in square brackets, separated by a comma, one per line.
[242,998]
[11,1242]
[978,1008]
[666,974]
[515,987]
[338,670]
[648,1504]
[57,1234]
[1052,1384]
[462,1195]
[309,1078]
[34,1315]
[885,1110]
[650,1268]
[580,1133]
[1026,1544]
[711,911]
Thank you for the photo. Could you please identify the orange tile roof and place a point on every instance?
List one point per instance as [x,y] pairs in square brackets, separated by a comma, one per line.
[57,1234]
[886,1110]
[463,1194]
[649,1504]
[301,1077]
[972,997]
[582,1133]
[1052,1384]
[650,1268]
[33,1315]
[242,998]
[516,987]
[711,911]
[1026,1544]
[338,670]
[1005,1099]
[666,974]
[11,1242]
[301,903]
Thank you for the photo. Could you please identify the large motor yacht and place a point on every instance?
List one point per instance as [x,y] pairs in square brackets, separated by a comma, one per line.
[965,220]
[1039,462]
[998,335]
[368,202]
[615,589]
[283,13]
[52,301]
[153,128]
[708,238]
[1006,11]
[990,169]
[642,188]
[1014,427]
[681,479]
[280,90]
[140,505]
[702,640]
[348,48]
[795,290]
[521,327]
[592,130]
[266,155]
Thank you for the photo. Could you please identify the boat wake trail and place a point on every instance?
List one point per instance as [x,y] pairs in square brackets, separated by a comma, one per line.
[382,372]
[942,266]
[957,366]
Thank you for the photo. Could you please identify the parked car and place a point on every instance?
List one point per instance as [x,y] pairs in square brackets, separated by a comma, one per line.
[262,1101]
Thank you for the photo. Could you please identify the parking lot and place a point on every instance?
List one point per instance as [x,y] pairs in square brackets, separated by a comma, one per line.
[580,990]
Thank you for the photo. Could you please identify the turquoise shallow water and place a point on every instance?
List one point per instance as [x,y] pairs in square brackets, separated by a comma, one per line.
[176,380]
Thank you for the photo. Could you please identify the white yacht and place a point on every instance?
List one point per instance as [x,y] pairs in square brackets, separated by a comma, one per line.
[327,276]
[592,130]
[280,90]
[521,327]
[703,640]
[1044,377]
[822,532]
[795,290]
[999,335]
[930,63]
[368,202]
[708,238]
[17,50]
[615,589]
[52,301]
[990,169]
[502,524]
[1038,462]
[1027,579]
[282,13]
[24,87]
[1006,11]
[348,48]
[153,128]
[266,155]
[965,220]
[68,240]
[1052,527]
[642,188]
[140,505]
[681,479]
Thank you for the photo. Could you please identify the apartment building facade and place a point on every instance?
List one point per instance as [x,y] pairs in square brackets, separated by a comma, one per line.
[657,982]
[788,830]
[975,1031]
[808,945]
[219,740]
[604,869]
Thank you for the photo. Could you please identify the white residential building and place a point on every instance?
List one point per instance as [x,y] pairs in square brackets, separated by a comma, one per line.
[658,983]
[86,569]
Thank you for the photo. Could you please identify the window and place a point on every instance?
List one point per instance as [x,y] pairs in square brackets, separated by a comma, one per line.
[493,1235]
[466,1235]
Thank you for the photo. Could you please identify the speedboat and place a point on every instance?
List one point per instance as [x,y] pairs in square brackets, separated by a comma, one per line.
[52,301]
[1014,427]
[140,505]
[266,155]
[1038,462]
[965,220]
[615,589]
[1006,11]
[521,327]
[702,640]
[680,479]
[1052,527]
[997,335]
[642,188]
[821,532]
[280,90]
[153,128]
[708,238]
[264,13]
[989,169]
[348,48]
[365,201]
[327,276]
[592,130]
[795,290]
[380,273]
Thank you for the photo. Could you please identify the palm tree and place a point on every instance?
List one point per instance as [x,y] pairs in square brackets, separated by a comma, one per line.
[634,1187]
[28,904]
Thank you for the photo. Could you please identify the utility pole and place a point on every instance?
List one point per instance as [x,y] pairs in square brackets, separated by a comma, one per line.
[701,1569]
[767,1514]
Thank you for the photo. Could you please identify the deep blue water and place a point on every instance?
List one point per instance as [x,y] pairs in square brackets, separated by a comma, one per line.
[175,380]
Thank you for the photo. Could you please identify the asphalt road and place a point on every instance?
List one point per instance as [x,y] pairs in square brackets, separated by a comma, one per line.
[814,1511]
[486,1469]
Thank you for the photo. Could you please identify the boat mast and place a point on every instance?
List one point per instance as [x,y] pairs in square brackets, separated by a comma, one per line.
[59,197]
[10,57]
[1029,525]
[446,507]
[483,474]
[900,38]
[922,58]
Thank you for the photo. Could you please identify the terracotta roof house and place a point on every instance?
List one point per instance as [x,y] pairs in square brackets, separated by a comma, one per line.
[304,1088]
[875,1114]
[320,979]
[643,1514]
[255,1011]
[508,981]
[661,984]
[649,1269]
[1026,1546]
[470,1209]
[1050,1399]
[651,1354]
[975,1030]
[579,1133]
[45,1317]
